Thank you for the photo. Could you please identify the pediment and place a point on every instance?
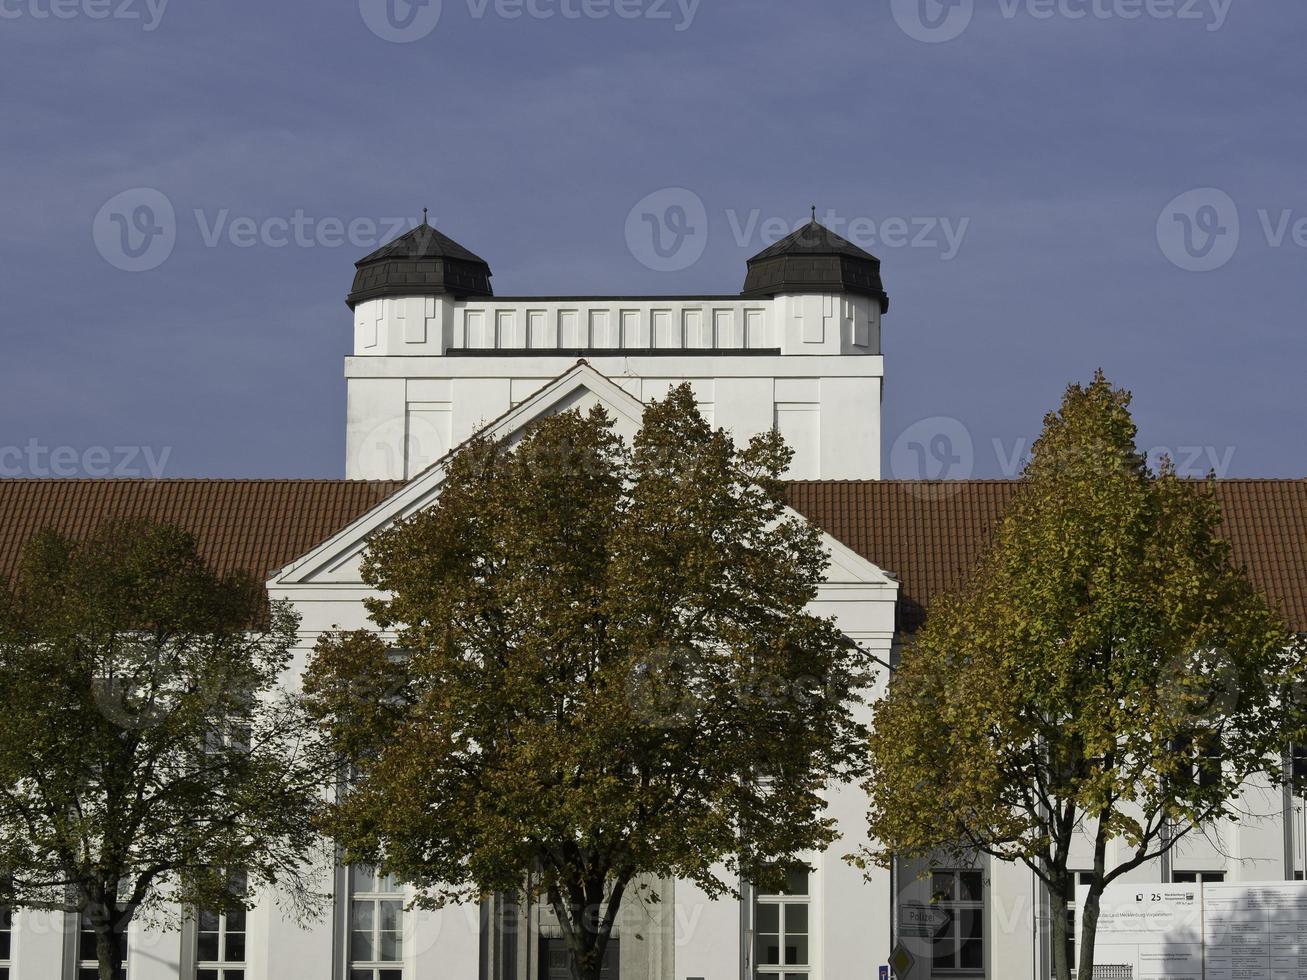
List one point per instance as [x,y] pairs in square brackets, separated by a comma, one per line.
[336,562]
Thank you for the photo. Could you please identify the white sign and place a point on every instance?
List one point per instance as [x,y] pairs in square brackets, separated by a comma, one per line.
[1255,931]
[1149,932]
[922,920]
[1243,931]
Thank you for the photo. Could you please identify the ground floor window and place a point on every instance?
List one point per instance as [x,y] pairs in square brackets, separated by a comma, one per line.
[781,925]
[960,945]
[1197,877]
[376,926]
[220,940]
[6,941]
[88,963]
[555,960]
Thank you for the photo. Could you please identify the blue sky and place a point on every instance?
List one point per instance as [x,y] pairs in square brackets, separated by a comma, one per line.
[1059,140]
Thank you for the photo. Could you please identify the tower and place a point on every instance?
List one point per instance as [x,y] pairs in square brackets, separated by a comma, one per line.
[436,353]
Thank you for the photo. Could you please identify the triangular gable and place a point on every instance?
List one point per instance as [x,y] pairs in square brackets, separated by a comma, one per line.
[336,561]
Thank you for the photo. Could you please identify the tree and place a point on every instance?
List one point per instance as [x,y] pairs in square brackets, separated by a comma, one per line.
[609,675]
[1106,674]
[145,754]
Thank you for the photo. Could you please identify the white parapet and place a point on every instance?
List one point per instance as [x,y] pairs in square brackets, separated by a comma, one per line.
[428,371]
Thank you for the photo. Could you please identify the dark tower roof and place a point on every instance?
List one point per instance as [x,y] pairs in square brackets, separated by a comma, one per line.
[421,262]
[815,260]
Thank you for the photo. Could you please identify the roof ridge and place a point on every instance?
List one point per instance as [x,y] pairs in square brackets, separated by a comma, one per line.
[172,480]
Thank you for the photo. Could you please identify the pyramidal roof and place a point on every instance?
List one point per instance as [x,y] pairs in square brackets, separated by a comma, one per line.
[422,242]
[814,238]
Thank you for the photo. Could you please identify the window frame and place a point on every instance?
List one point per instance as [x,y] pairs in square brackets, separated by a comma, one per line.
[75,965]
[956,905]
[372,969]
[224,969]
[1197,877]
[782,901]
[10,936]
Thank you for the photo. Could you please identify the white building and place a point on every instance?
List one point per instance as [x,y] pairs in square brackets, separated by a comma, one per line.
[438,357]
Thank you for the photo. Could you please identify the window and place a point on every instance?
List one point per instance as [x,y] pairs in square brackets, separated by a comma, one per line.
[960,946]
[1298,767]
[1203,760]
[555,960]
[780,929]
[220,940]
[88,964]
[376,919]
[6,940]
[1197,877]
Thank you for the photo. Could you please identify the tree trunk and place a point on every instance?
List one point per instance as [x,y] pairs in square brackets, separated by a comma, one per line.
[1088,934]
[108,950]
[588,964]
[587,925]
[1057,908]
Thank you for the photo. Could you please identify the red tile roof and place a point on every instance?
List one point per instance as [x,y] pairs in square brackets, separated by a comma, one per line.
[256,526]
[927,534]
[930,534]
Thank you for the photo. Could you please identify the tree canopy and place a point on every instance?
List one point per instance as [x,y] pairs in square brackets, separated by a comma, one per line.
[146,756]
[1106,675]
[603,672]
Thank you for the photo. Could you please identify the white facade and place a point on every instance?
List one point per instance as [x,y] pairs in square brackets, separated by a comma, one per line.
[688,936]
[427,372]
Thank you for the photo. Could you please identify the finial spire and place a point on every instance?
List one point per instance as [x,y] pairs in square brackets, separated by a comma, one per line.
[814,212]
[424,216]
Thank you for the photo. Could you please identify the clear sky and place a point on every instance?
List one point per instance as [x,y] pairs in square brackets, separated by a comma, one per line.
[1023,168]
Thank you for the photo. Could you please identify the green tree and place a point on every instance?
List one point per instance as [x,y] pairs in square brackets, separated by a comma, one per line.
[609,675]
[145,752]
[1106,675]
